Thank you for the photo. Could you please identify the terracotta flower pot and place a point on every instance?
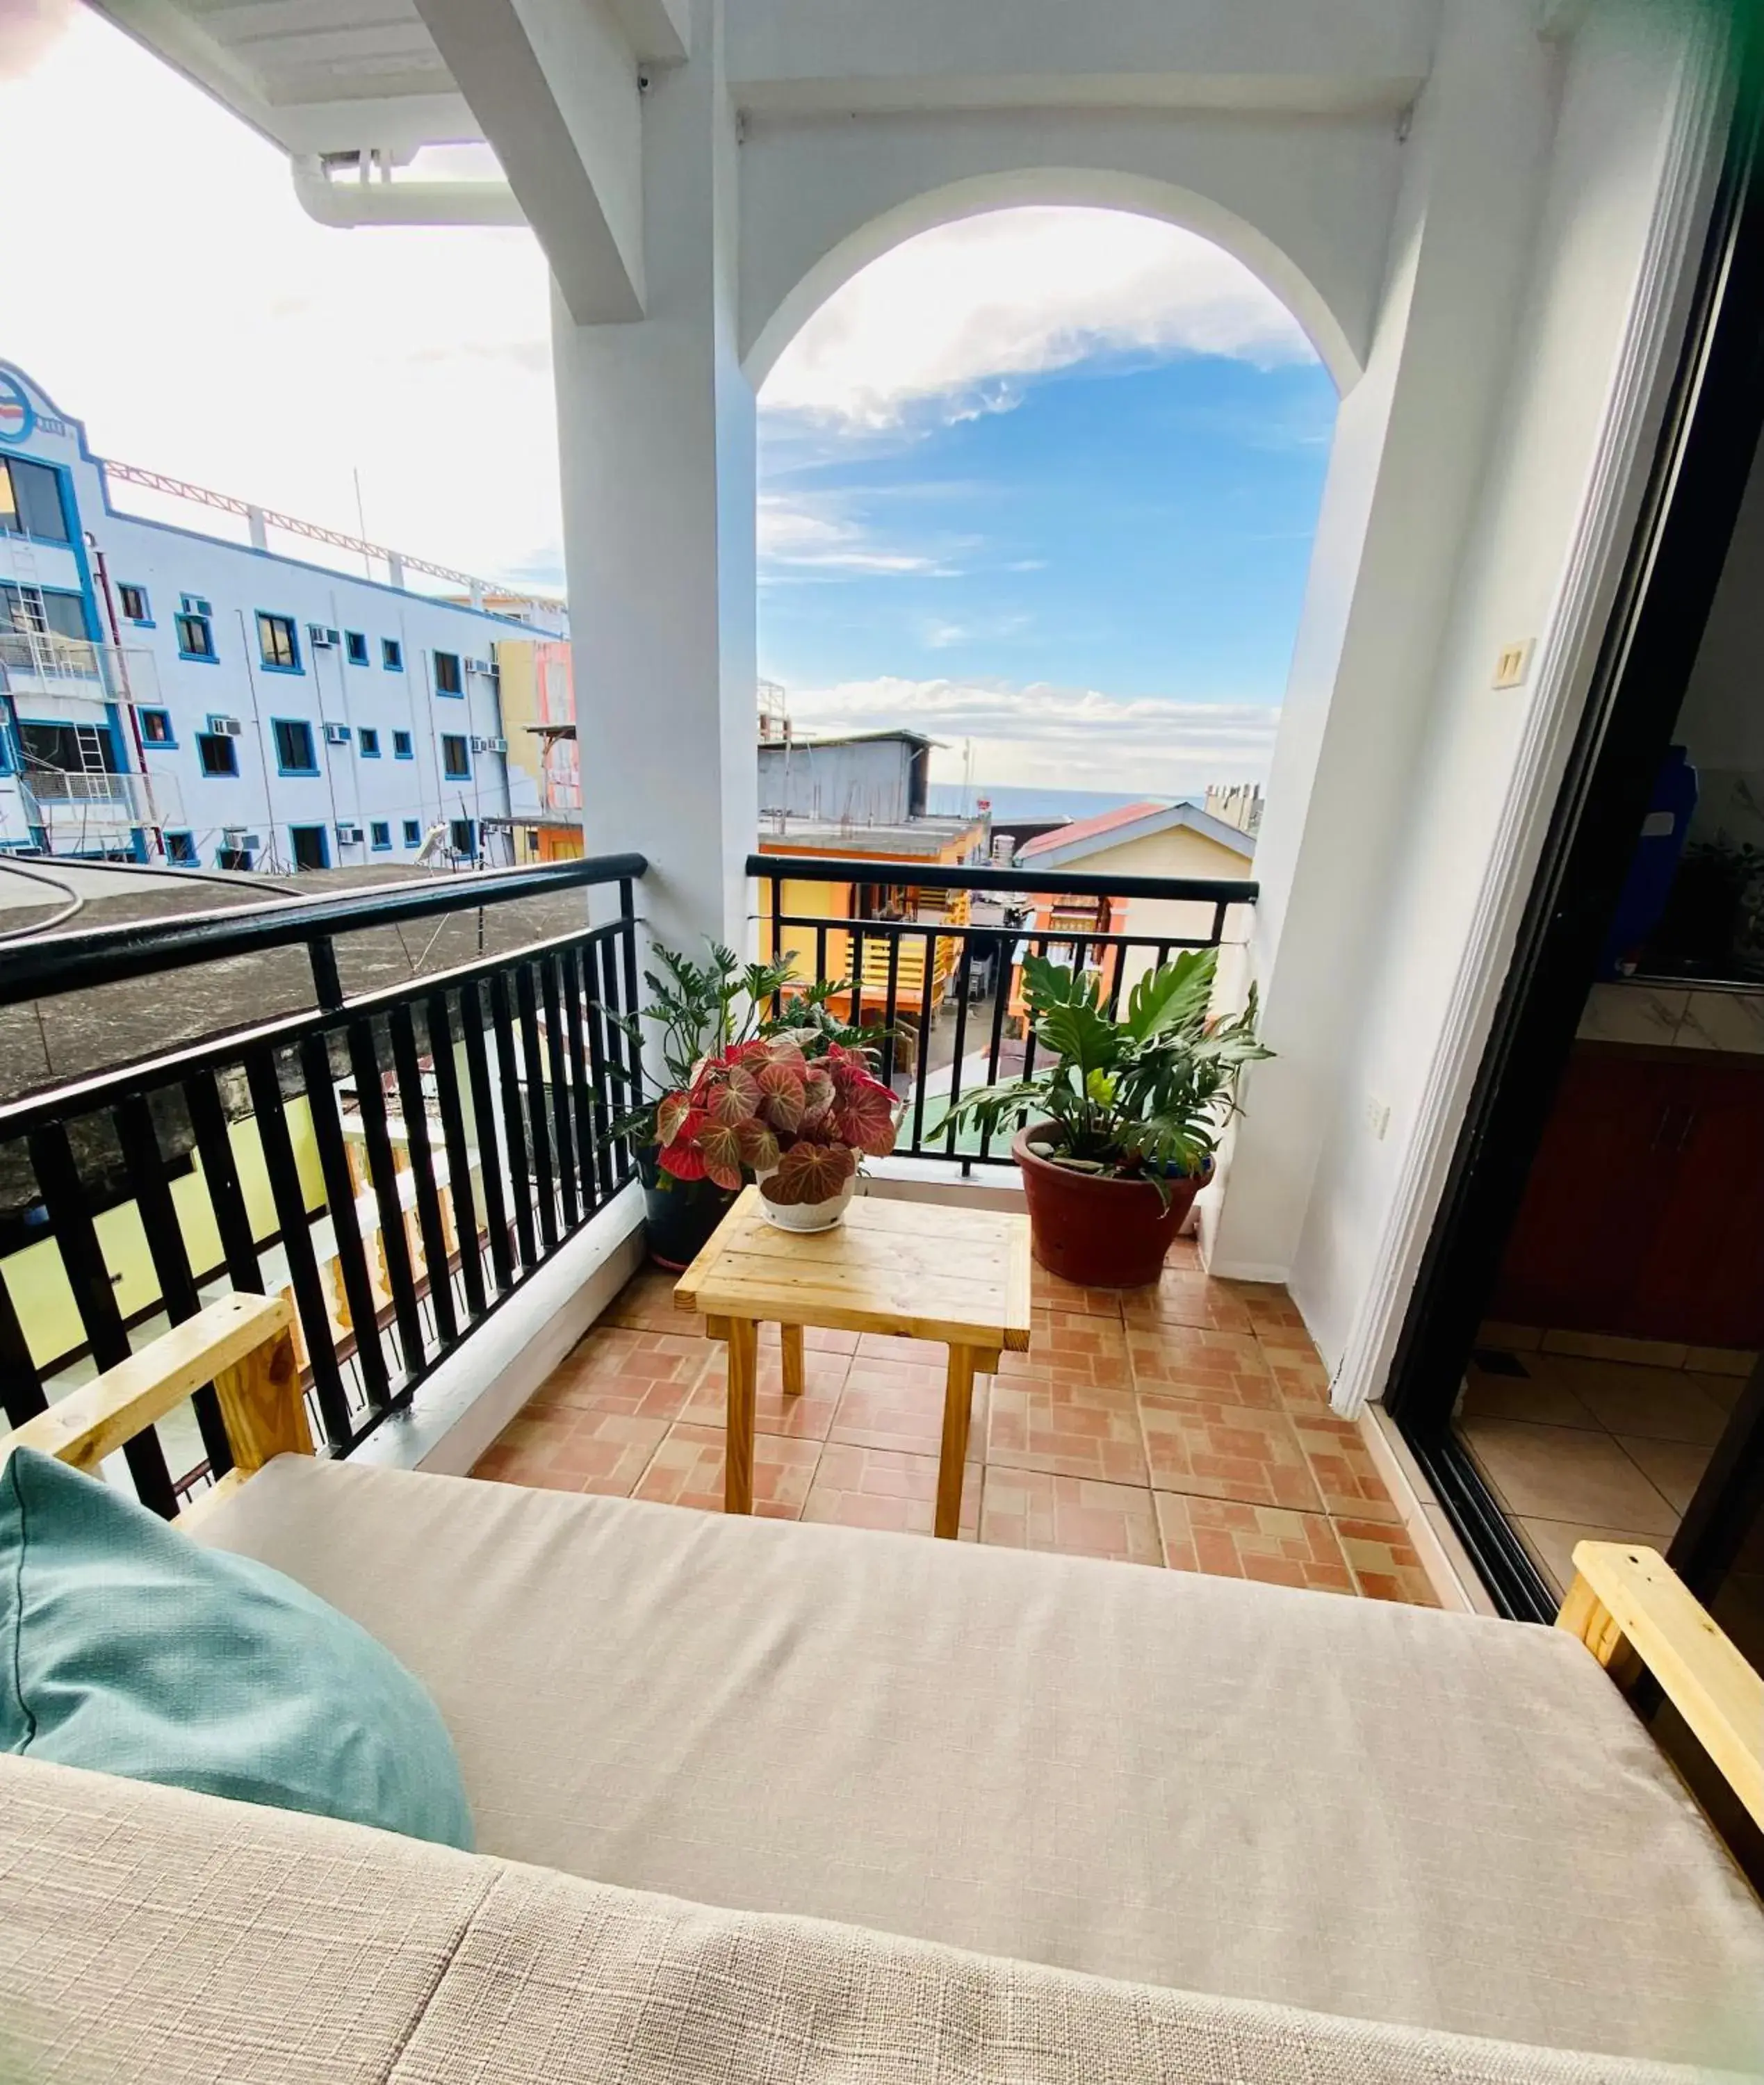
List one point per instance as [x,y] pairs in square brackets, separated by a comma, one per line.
[1098,1233]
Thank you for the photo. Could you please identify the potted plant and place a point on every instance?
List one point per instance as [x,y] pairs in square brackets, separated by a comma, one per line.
[798,1124]
[1123,1121]
[696,1012]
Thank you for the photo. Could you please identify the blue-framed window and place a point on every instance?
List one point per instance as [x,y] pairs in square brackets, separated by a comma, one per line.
[380,833]
[296,753]
[278,643]
[217,757]
[195,636]
[31,502]
[355,647]
[155,727]
[134,603]
[413,833]
[180,848]
[449,680]
[456,756]
[392,655]
[367,738]
[401,747]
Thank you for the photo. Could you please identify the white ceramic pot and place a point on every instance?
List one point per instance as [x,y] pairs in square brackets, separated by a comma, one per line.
[806,1216]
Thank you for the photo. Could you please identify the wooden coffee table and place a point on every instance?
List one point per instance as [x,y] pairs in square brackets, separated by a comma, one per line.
[919,1270]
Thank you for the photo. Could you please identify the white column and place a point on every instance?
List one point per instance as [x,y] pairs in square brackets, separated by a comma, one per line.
[1411,441]
[656,430]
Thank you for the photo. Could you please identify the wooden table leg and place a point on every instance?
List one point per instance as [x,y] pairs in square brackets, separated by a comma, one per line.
[790,1336]
[952,1464]
[738,1441]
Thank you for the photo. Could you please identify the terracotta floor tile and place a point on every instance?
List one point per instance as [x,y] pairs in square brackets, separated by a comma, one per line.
[582,1451]
[1384,1562]
[687,1469]
[1071,1347]
[1230,1540]
[881,1487]
[807,1417]
[1342,1465]
[1298,1370]
[1049,1291]
[1186,1361]
[648,1375]
[1209,1448]
[898,1405]
[1065,1429]
[888,1347]
[646,1303]
[1186,1296]
[1270,1308]
[1076,1516]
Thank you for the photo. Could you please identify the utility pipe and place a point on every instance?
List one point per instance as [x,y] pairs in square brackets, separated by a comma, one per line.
[347,205]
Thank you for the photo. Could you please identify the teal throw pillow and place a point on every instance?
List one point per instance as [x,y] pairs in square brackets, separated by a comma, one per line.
[127,1648]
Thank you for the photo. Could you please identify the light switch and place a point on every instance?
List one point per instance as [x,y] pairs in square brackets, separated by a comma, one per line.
[1513,664]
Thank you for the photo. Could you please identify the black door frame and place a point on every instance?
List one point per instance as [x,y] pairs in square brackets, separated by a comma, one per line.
[1701,463]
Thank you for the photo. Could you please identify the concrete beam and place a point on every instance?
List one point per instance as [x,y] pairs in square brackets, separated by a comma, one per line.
[800,57]
[552,86]
[657,30]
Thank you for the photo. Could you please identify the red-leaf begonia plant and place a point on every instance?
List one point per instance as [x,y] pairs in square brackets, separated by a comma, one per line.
[763,1108]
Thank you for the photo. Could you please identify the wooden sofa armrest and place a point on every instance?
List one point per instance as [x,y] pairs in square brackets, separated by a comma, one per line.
[243,1344]
[1630,1607]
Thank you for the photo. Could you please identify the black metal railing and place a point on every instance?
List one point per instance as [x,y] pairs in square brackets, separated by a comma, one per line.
[928,982]
[399,1161]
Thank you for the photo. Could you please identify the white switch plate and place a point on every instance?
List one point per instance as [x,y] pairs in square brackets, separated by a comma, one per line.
[1513,664]
[1377,1116]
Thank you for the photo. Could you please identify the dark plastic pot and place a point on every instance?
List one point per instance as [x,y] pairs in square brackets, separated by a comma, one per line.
[679,1215]
[1098,1233]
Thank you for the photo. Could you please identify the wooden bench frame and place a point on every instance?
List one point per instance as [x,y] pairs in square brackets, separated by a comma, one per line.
[242,1344]
[1626,1604]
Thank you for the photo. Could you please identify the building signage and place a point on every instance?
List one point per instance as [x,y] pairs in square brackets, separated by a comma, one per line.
[17,418]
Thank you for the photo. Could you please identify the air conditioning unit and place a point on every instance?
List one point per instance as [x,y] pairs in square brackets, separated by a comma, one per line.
[480,744]
[479,666]
[225,727]
[349,835]
[496,745]
[337,734]
[192,604]
[323,639]
[238,841]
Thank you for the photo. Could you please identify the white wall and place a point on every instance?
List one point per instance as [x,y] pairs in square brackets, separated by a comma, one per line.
[1410,442]
[1469,833]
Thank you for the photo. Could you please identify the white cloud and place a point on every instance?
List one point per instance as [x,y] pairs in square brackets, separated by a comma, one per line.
[816,536]
[1056,737]
[955,319]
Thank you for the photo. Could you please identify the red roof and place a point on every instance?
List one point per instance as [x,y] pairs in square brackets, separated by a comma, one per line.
[1085,829]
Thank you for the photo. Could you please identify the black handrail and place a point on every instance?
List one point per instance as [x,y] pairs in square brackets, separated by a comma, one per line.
[36,968]
[982,876]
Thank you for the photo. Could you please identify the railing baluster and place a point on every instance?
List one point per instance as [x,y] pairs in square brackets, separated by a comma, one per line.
[627,940]
[1006,945]
[777,937]
[616,1044]
[963,971]
[83,1259]
[413,1107]
[383,1176]
[568,1164]
[514,1126]
[220,1175]
[21,1387]
[588,1132]
[164,1234]
[262,1076]
[855,950]
[526,1001]
[915,1147]
[606,1101]
[891,1010]
[459,1164]
[345,1226]
[490,1162]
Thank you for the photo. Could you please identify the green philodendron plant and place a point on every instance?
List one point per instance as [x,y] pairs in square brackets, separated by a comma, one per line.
[1144,1095]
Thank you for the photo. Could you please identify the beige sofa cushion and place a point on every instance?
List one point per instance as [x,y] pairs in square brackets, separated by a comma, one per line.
[150,1936]
[1375,1811]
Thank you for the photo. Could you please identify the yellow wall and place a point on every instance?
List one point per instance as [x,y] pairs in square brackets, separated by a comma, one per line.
[809,900]
[39,1287]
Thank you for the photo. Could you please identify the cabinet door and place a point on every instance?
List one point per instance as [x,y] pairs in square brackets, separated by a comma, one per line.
[1702,1280]
[1588,1215]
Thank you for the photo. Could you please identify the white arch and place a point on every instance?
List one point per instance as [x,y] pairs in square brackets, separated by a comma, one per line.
[1093,187]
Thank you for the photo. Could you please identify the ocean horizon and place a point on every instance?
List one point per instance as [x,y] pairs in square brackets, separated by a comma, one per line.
[951,799]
